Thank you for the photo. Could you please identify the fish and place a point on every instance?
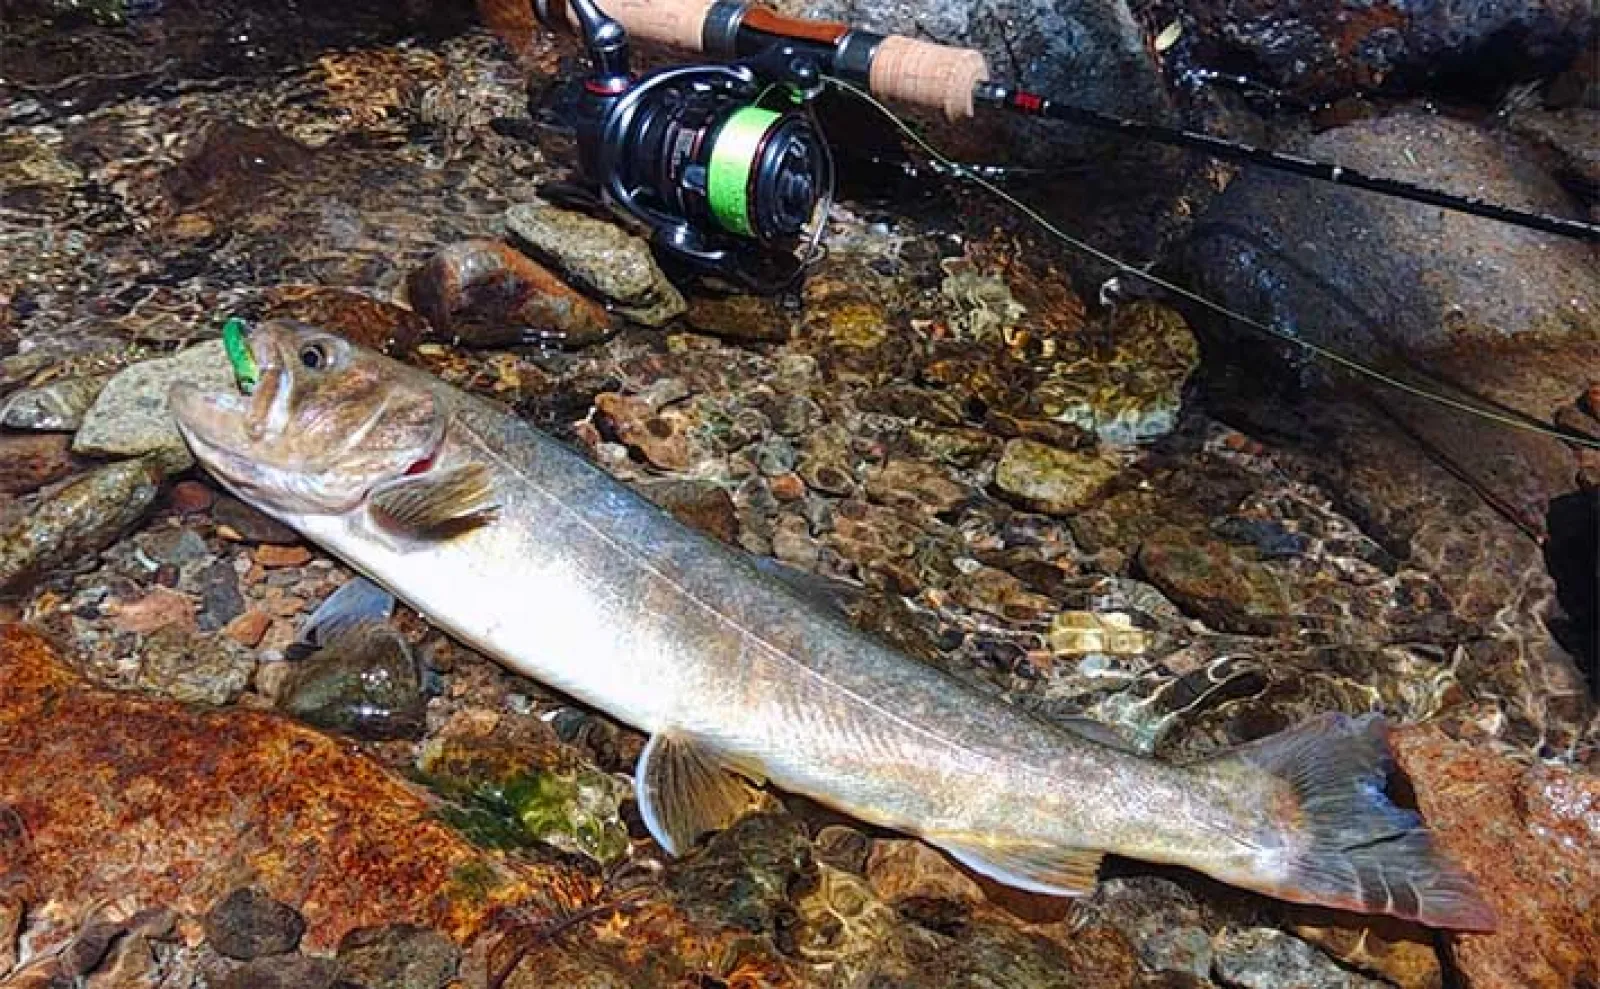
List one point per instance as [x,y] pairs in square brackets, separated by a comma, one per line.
[520,547]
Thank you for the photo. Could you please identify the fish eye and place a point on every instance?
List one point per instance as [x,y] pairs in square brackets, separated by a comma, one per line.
[314,356]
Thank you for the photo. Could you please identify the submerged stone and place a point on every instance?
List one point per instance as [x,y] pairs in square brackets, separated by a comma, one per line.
[600,256]
[248,924]
[485,293]
[130,416]
[397,956]
[57,407]
[365,683]
[83,516]
[1262,958]
[512,796]
[1053,480]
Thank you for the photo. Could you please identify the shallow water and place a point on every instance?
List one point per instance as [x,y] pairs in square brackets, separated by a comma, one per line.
[1090,510]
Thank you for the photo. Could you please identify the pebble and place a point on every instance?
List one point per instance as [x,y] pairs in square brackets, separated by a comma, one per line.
[601,257]
[484,293]
[248,924]
[246,524]
[130,416]
[702,505]
[31,461]
[193,669]
[918,486]
[58,406]
[248,628]
[1052,480]
[273,555]
[220,600]
[1262,958]
[84,516]
[745,318]
[787,487]
[660,439]
[366,684]
[398,956]
[190,498]
[156,610]
[292,972]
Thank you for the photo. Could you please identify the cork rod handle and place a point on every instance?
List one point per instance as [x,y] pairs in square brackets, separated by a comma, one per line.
[938,77]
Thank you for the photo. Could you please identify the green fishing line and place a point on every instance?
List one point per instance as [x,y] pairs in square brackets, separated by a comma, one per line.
[244,363]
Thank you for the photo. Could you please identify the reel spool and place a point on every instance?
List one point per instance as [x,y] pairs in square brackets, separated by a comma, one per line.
[722,165]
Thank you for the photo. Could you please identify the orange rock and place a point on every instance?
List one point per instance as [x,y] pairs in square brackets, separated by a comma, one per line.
[1530,836]
[116,795]
[156,610]
[248,628]
[269,555]
[190,497]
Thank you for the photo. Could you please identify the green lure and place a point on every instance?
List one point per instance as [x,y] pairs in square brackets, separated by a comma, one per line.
[244,363]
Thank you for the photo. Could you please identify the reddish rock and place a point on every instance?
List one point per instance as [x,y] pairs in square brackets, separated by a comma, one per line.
[787,487]
[248,628]
[660,439]
[156,610]
[29,461]
[116,795]
[190,498]
[484,293]
[282,556]
[361,319]
[1530,837]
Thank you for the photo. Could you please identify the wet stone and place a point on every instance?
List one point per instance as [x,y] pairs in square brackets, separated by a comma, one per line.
[366,684]
[660,439]
[248,924]
[1049,479]
[30,462]
[83,516]
[220,600]
[1221,584]
[745,318]
[286,972]
[746,874]
[249,525]
[484,293]
[702,505]
[57,406]
[399,956]
[1262,958]
[193,669]
[918,486]
[130,416]
[600,256]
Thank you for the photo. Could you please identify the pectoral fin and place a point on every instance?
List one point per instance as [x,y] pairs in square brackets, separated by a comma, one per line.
[1036,867]
[685,790]
[437,499]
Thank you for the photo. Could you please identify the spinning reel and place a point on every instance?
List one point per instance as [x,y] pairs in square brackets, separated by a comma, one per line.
[723,166]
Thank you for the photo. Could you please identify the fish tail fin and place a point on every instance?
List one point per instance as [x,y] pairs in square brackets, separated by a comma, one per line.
[1344,844]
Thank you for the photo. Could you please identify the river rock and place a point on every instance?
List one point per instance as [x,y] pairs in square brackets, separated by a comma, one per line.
[83,516]
[57,406]
[747,318]
[1367,274]
[1529,833]
[602,257]
[248,924]
[365,683]
[1222,584]
[1262,958]
[192,669]
[293,972]
[485,293]
[1324,51]
[1050,479]
[192,781]
[1125,382]
[1508,314]
[29,462]
[398,956]
[130,416]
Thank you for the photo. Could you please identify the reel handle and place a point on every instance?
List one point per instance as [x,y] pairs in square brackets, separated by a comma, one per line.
[938,77]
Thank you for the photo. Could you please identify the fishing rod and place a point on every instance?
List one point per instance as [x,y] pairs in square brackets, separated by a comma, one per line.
[956,82]
[723,165]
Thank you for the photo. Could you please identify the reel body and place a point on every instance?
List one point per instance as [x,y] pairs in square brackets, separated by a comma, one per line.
[723,165]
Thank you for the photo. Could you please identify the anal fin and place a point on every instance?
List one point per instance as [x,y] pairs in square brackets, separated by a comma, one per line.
[439,499]
[685,790]
[1037,867]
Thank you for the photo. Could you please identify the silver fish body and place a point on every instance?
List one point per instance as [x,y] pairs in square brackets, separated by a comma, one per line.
[587,587]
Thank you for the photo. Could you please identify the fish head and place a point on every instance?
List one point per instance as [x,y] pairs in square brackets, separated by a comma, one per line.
[326,422]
